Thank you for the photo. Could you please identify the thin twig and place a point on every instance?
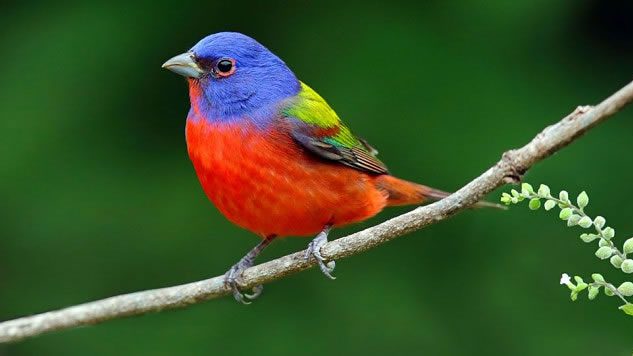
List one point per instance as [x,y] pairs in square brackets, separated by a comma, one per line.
[509,169]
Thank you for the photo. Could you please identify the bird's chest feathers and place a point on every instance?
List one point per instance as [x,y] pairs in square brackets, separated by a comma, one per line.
[225,148]
[236,163]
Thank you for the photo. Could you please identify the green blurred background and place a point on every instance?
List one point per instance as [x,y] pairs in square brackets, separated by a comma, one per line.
[98,196]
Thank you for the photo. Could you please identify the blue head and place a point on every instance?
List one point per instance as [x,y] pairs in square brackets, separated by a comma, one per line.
[232,76]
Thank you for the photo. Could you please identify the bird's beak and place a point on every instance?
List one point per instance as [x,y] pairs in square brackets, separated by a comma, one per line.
[185,65]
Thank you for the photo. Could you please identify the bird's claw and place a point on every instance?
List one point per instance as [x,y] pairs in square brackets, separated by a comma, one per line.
[314,249]
[232,279]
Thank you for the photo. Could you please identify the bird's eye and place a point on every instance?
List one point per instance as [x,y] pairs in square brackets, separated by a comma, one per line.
[225,67]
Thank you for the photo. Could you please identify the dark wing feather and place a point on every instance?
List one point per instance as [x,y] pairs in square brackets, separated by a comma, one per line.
[358,156]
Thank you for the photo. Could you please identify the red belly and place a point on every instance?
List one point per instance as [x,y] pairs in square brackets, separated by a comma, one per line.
[262,181]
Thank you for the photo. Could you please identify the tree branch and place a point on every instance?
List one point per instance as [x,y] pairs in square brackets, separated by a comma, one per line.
[509,169]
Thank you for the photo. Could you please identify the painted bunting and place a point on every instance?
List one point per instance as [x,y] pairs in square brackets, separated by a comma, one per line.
[273,156]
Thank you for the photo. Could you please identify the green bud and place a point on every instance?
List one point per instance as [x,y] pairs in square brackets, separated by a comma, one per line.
[573,295]
[549,205]
[534,204]
[616,261]
[526,189]
[608,292]
[514,200]
[515,193]
[626,289]
[597,277]
[585,222]
[608,233]
[582,200]
[605,252]
[565,213]
[573,220]
[628,245]
[506,198]
[578,279]
[588,237]
[563,196]
[599,221]
[627,266]
[627,308]
[593,292]
[543,191]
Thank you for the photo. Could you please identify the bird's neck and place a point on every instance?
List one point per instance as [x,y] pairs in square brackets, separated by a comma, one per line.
[211,103]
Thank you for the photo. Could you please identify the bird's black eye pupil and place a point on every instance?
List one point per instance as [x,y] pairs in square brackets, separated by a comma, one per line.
[225,66]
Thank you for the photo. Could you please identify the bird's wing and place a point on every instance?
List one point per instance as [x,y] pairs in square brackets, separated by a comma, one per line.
[315,126]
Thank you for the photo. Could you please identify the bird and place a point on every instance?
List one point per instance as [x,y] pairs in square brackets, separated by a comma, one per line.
[273,156]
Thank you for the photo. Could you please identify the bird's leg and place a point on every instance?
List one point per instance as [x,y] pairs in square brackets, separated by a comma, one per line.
[314,249]
[235,273]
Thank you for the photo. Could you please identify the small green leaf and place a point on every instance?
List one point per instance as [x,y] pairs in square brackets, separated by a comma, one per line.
[563,196]
[582,200]
[627,266]
[526,189]
[588,237]
[604,252]
[515,193]
[608,292]
[549,205]
[608,233]
[573,295]
[599,221]
[627,308]
[626,289]
[616,261]
[603,242]
[628,245]
[565,213]
[534,204]
[593,292]
[543,191]
[578,279]
[597,277]
[585,222]
[573,220]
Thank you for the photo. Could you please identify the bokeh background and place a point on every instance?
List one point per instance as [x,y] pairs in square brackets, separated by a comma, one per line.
[98,198]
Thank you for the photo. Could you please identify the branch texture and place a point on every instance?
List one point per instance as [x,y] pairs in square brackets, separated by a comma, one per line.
[509,169]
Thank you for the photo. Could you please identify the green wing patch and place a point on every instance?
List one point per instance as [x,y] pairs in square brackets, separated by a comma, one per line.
[317,128]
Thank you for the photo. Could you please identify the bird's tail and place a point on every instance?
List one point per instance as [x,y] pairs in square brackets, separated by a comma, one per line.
[402,192]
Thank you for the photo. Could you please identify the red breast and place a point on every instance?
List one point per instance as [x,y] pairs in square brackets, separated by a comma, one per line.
[263,181]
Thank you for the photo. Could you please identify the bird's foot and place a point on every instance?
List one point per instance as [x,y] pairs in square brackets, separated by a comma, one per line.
[233,277]
[314,249]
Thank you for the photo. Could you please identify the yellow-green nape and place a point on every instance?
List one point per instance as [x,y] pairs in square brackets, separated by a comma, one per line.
[312,109]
